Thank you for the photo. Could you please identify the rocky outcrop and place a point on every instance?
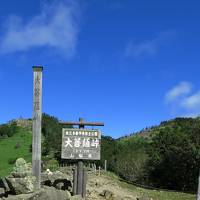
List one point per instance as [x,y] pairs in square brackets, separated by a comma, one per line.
[46,193]
[21,169]
[22,185]
[56,179]
[21,180]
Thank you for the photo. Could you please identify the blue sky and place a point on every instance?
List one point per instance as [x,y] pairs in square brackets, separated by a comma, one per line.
[130,64]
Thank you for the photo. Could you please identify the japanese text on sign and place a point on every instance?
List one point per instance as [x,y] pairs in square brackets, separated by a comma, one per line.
[81,144]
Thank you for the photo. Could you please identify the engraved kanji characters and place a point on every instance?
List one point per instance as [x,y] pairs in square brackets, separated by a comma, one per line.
[86,142]
[95,143]
[68,143]
[77,142]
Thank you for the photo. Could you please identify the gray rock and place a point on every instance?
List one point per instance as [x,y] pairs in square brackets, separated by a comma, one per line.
[21,180]
[22,185]
[21,169]
[47,193]
[58,180]
[107,194]
[2,192]
[4,184]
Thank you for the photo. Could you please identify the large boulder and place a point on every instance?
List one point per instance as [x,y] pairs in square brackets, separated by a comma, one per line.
[21,169]
[22,185]
[21,180]
[46,193]
[56,179]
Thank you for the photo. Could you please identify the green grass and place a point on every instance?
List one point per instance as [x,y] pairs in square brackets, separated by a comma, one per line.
[9,152]
[154,194]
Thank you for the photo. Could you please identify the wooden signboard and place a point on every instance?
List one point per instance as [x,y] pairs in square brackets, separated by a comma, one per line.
[81,144]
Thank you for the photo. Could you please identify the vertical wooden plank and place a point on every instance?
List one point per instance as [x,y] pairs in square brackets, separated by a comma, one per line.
[75,181]
[84,182]
[37,119]
[80,178]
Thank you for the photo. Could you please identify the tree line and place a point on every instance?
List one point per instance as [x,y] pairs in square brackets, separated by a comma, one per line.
[168,158]
[165,156]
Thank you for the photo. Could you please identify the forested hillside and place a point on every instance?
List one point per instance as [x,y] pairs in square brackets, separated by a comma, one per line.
[165,156]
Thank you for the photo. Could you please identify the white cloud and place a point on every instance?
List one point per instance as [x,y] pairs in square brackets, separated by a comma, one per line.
[182,102]
[191,102]
[180,90]
[148,47]
[55,27]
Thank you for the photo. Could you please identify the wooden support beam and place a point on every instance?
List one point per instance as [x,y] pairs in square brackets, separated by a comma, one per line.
[82,123]
[84,183]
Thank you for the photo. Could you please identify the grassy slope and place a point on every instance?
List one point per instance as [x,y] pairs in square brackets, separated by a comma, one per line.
[154,194]
[9,152]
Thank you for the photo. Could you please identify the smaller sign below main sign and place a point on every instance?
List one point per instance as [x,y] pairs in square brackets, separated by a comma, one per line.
[81,144]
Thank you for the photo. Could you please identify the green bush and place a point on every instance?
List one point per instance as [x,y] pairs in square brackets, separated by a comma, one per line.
[8,130]
[51,164]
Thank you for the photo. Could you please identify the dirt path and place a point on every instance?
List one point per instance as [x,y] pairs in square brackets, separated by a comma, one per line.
[103,187]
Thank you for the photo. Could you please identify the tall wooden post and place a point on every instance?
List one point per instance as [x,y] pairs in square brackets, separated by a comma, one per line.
[37,120]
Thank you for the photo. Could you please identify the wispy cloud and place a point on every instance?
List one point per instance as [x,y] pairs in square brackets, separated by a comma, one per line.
[192,102]
[180,90]
[148,47]
[56,27]
[182,101]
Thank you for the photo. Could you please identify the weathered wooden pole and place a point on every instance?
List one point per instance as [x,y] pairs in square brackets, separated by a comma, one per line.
[84,182]
[80,178]
[37,120]
[75,181]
